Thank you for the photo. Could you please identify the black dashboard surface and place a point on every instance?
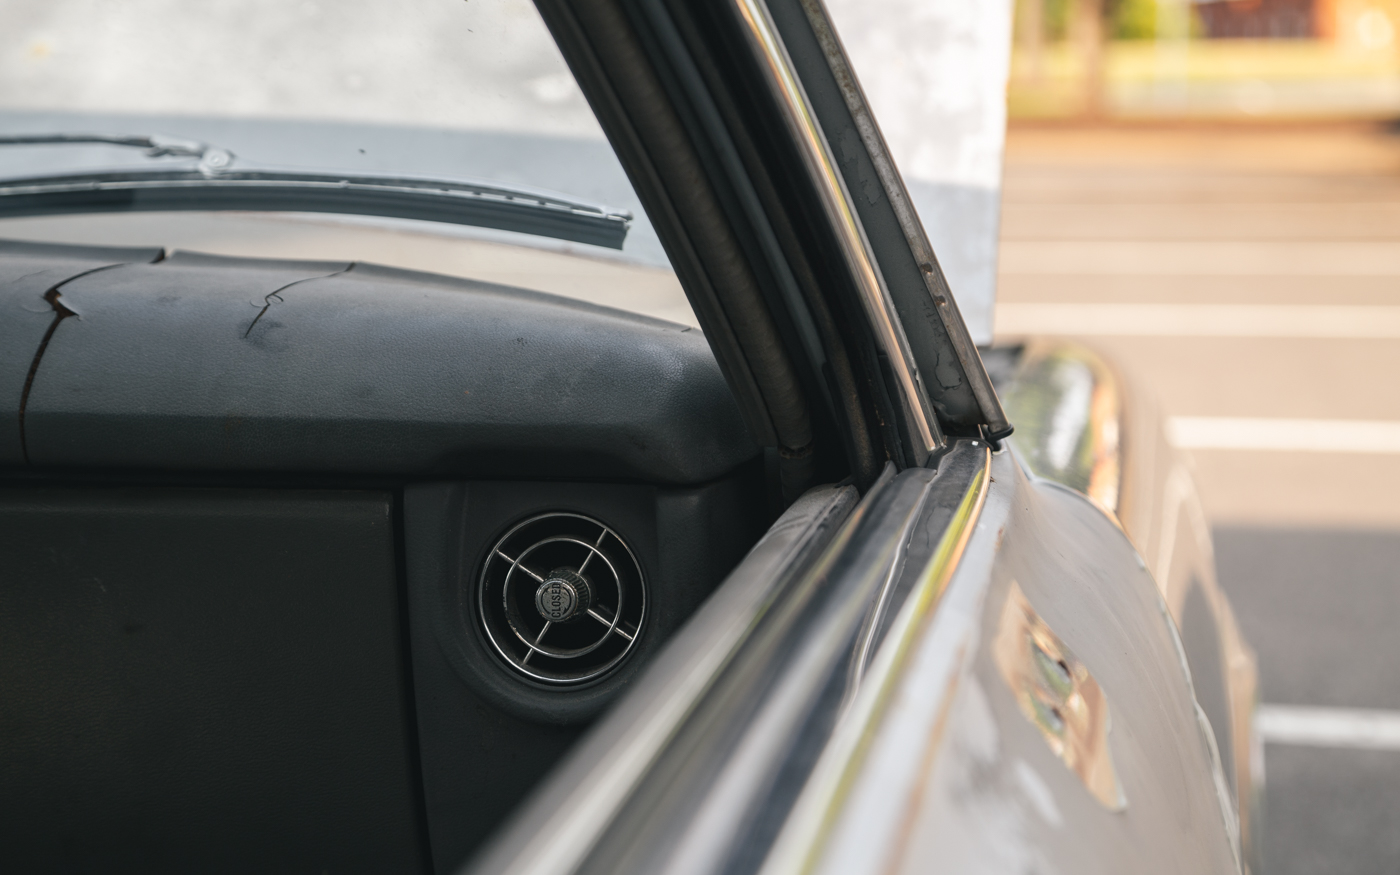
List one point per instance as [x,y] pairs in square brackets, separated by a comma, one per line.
[245,503]
[200,362]
[27,272]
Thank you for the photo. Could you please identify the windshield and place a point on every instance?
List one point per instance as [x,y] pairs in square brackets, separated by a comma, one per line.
[469,90]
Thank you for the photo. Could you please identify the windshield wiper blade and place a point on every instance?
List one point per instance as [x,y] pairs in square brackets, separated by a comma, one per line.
[217,185]
[434,200]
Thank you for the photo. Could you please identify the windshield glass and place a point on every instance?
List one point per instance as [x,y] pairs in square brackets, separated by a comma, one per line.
[469,90]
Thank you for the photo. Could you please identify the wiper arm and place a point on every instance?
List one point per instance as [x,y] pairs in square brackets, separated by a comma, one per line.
[216,184]
[156,145]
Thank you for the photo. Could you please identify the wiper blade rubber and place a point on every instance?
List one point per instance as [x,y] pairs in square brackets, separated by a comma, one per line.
[216,186]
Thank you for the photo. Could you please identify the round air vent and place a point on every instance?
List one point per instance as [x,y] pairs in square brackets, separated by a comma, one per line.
[561,598]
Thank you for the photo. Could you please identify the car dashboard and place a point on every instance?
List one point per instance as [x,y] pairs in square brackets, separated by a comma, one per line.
[323,565]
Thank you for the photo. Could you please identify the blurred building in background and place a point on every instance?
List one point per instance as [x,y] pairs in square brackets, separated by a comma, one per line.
[1258,19]
[1296,59]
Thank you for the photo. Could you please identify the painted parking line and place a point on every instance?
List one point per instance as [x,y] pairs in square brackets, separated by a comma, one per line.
[1291,435]
[1317,258]
[1329,727]
[1201,320]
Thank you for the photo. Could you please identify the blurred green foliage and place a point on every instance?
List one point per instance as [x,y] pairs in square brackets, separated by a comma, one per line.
[1134,19]
[1055,18]
[1058,15]
[1123,19]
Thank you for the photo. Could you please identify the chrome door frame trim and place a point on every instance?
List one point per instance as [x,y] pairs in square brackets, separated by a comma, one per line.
[565,818]
[827,796]
[749,723]
[926,438]
[900,203]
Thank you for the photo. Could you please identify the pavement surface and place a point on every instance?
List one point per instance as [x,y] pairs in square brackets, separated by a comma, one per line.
[1307,542]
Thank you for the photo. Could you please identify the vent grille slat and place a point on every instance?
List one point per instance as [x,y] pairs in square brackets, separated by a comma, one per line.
[562,598]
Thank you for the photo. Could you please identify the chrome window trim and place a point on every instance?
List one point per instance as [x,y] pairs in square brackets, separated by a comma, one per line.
[926,436]
[567,816]
[934,282]
[738,744]
[827,819]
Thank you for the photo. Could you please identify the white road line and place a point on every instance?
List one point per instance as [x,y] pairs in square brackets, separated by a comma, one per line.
[1292,435]
[1329,727]
[1318,258]
[1201,320]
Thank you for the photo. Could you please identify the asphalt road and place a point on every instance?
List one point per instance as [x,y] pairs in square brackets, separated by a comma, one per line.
[1307,539]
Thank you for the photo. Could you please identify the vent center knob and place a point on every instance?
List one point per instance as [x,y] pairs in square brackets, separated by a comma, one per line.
[564,595]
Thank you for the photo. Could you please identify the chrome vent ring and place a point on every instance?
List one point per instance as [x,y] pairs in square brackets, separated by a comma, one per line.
[561,598]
